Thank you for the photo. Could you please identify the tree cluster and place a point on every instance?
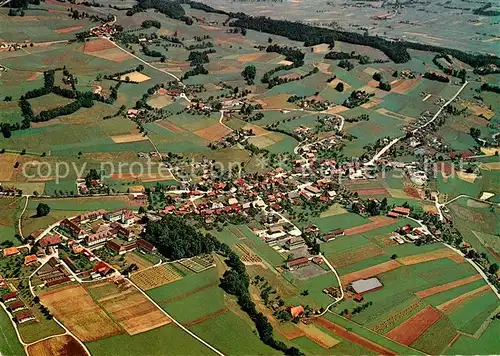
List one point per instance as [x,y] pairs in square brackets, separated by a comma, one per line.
[151,23]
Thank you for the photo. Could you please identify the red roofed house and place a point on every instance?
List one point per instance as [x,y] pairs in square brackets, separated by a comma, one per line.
[296,311]
[401,210]
[102,268]
[10,251]
[358,298]
[50,240]
[392,214]
[16,306]
[121,248]
[124,233]
[29,259]
[9,297]
[98,238]
[24,317]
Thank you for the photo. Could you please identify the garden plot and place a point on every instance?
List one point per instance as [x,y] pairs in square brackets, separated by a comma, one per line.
[155,276]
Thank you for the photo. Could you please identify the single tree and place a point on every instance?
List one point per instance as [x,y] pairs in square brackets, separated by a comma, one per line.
[42,210]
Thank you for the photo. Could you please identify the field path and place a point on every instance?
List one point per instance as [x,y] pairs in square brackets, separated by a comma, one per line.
[178,323]
[147,63]
[340,285]
[19,224]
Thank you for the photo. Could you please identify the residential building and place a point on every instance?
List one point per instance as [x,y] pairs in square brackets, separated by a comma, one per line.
[24,316]
[72,229]
[9,297]
[50,240]
[17,306]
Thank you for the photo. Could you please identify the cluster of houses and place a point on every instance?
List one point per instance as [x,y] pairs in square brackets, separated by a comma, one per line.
[232,139]
[14,304]
[104,30]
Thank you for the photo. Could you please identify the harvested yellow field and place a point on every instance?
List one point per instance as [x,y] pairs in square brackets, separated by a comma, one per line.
[279,101]
[136,189]
[468,177]
[286,63]
[128,138]
[7,161]
[323,67]
[250,57]
[431,256]
[318,336]
[135,77]
[490,151]
[335,209]
[321,48]
[337,109]
[370,71]
[160,101]
[491,166]
[257,130]
[265,140]
[336,81]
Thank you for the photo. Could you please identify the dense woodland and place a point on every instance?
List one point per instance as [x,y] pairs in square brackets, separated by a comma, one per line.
[312,35]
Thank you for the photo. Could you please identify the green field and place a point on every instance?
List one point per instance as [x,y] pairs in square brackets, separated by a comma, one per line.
[166,339]
[184,285]
[232,335]
[194,306]
[9,343]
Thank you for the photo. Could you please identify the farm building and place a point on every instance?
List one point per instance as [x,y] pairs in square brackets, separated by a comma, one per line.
[24,317]
[92,215]
[296,311]
[296,263]
[366,285]
[146,246]
[10,251]
[98,238]
[295,243]
[121,247]
[402,211]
